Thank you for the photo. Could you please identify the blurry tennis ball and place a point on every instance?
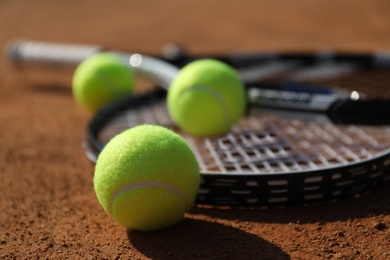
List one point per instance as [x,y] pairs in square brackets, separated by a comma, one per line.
[206,98]
[146,178]
[101,79]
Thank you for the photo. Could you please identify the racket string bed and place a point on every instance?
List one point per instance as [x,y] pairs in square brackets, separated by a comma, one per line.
[251,151]
[316,152]
[285,146]
[154,114]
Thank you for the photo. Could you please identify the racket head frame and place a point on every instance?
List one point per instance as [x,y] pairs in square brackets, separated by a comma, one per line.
[260,188]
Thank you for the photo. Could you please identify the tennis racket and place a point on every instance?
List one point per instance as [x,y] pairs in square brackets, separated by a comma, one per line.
[309,133]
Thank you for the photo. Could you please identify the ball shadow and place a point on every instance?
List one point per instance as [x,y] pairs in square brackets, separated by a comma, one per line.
[197,239]
[373,203]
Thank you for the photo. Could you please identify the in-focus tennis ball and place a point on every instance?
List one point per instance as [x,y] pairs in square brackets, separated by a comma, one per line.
[206,98]
[146,178]
[101,79]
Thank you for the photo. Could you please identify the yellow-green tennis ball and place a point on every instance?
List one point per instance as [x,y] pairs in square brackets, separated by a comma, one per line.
[206,98]
[101,79]
[146,178]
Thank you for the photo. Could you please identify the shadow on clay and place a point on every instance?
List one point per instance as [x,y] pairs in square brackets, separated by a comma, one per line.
[198,239]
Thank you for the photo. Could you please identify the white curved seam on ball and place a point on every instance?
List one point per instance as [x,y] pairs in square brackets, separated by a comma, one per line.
[219,98]
[148,184]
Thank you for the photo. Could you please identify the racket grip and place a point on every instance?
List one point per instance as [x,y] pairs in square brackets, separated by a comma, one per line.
[32,54]
[53,55]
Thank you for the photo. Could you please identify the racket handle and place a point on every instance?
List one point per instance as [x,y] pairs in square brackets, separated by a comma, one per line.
[52,55]
[67,56]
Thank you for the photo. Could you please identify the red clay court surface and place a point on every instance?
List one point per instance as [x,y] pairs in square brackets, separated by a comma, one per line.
[48,209]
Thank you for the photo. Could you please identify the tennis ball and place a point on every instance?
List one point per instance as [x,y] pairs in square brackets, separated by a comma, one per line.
[146,178]
[101,79]
[206,98]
